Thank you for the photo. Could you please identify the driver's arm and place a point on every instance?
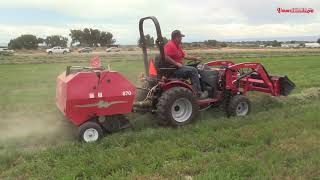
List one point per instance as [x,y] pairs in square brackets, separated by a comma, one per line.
[173,62]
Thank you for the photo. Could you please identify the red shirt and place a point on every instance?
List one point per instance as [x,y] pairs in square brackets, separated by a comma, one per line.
[174,51]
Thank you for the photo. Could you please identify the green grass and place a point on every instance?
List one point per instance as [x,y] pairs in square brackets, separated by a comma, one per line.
[279,139]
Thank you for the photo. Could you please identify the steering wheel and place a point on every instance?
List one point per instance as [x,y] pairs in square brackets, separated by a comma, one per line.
[193,63]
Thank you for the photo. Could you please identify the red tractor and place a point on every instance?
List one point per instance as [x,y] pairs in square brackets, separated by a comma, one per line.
[227,83]
[95,99]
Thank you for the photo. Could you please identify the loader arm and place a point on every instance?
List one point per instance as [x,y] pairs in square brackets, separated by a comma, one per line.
[262,82]
[225,63]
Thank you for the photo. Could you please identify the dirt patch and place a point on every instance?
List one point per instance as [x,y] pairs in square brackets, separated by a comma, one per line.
[17,130]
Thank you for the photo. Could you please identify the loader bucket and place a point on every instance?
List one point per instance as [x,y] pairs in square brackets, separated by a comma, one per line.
[286,85]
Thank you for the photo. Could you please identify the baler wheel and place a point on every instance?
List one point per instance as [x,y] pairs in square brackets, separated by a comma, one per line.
[239,105]
[177,106]
[90,132]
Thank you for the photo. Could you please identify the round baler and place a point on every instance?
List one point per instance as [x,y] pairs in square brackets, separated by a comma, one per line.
[95,100]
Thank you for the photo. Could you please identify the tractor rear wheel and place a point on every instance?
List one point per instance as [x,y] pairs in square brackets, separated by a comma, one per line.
[90,132]
[239,105]
[177,106]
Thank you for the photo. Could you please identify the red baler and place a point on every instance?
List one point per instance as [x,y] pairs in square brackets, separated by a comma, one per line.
[84,93]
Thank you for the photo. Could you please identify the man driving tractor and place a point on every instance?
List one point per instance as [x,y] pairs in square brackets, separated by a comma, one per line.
[175,55]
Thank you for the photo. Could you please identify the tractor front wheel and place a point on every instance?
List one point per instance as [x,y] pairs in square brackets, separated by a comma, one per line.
[239,105]
[177,106]
[90,132]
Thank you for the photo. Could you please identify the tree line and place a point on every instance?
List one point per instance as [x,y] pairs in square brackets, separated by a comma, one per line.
[95,38]
[150,42]
[85,37]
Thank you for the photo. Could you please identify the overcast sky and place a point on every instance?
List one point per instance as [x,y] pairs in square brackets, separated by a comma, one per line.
[197,19]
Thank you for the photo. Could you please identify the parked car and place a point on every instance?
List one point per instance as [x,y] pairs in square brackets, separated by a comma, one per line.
[113,49]
[85,50]
[58,50]
[6,51]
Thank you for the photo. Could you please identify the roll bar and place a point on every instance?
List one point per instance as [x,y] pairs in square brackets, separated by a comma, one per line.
[159,42]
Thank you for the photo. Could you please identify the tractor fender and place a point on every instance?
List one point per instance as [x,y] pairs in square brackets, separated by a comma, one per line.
[167,85]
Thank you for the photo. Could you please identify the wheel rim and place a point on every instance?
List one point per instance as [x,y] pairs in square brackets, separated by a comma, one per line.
[90,135]
[242,109]
[181,110]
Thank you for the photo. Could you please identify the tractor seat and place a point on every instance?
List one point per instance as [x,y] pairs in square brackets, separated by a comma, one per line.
[166,69]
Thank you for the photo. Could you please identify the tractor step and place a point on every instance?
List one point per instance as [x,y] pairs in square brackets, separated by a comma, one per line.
[207,101]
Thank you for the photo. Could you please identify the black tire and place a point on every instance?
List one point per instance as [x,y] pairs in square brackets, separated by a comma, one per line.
[50,52]
[176,100]
[64,52]
[90,132]
[239,105]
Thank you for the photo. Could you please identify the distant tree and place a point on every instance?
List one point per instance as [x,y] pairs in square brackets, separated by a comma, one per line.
[148,40]
[165,40]
[76,36]
[211,43]
[223,44]
[106,38]
[91,37]
[86,37]
[15,44]
[56,40]
[26,41]
[275,43]
[94,37]
[318,41]
[41,40]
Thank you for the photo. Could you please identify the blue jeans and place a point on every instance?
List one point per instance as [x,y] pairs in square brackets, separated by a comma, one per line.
[189,72]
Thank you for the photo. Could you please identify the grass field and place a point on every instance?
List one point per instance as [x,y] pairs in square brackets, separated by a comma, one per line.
[278,140]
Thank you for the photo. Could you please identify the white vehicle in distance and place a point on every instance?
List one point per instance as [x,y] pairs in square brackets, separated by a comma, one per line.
[113,49]
[6,50]
[58,50]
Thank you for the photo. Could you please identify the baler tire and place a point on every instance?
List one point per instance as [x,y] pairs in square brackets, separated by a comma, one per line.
[172,97]
[239,105]
[93,127]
